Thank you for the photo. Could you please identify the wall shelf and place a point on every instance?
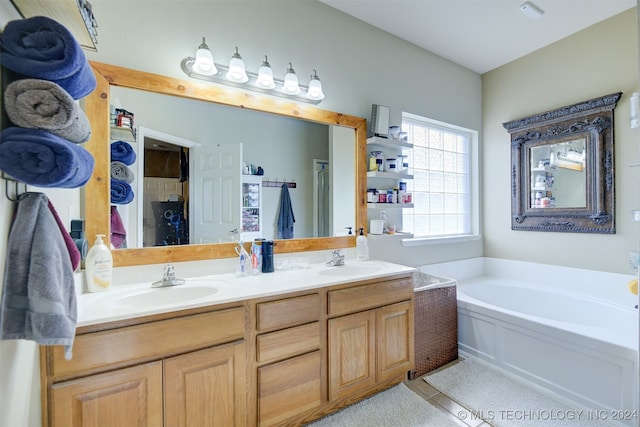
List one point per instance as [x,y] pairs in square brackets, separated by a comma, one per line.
[388,143]
[389,175]
[389,205]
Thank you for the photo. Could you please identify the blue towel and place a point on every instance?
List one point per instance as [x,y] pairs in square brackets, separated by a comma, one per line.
[121,192]
[122,151]
[43,159]
[41,48]
[285,216]
[39,297]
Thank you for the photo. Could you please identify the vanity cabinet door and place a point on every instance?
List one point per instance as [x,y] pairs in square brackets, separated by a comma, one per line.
[125,397]
[394,335]
[206,387]
[352,360]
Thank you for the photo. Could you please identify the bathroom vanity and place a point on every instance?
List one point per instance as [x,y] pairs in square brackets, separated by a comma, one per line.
[276,349]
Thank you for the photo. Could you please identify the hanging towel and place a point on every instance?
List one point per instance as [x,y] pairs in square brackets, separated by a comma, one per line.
[72,248]
[40,104]
[122,151]
[41,48]
[118,232]
[39,298]
[121,172]
[121,192]
[285,217]
[43,159]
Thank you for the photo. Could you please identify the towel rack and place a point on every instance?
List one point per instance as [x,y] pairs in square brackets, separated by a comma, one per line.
[267,182]
[9,183]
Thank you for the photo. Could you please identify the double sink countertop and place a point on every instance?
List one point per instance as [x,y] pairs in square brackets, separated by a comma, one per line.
[140,299]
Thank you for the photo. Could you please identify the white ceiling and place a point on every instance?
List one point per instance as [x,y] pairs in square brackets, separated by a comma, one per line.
[480,34]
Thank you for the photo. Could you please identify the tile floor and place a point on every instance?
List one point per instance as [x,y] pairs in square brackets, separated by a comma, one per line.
[456,412]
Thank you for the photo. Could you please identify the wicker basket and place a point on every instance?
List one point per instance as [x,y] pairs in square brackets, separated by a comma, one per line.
[436,323]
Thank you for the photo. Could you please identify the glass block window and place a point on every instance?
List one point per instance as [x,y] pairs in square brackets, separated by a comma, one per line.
[441,160]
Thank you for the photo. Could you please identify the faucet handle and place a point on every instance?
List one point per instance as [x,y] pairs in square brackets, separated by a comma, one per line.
[169,273]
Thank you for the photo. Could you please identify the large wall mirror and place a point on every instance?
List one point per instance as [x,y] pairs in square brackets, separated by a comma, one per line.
[156,99]
[562,168]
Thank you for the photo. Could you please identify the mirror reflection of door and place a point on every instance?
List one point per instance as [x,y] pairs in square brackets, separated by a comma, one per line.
[164,165]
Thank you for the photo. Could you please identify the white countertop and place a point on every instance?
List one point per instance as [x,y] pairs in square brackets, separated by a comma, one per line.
[139,299]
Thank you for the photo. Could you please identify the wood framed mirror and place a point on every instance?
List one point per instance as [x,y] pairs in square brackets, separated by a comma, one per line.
[562,168]
[97,190]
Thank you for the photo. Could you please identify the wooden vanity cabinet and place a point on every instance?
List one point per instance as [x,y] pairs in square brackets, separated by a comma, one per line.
[188,370]
[374,344]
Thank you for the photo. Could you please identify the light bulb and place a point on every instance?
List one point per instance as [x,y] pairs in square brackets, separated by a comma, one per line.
[265,75]
[315,87]
[237,72]
[291,81]
[204,61]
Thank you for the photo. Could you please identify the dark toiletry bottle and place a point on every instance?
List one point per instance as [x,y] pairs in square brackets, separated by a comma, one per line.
[267,256]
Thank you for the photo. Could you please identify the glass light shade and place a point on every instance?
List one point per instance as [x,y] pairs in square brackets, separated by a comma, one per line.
[290,85]
[315,87]
[204,61]
[265,76]
[237,72]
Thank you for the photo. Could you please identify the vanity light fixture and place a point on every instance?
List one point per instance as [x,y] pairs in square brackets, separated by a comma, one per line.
[204,68]
[237,72]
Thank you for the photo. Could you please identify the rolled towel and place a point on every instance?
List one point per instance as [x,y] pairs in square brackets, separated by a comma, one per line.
[43,159]
[121,172]
[40,104]
[121,192]
[122,151]
[41,48]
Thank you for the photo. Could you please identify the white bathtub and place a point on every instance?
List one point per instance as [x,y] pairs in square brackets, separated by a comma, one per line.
[573,332]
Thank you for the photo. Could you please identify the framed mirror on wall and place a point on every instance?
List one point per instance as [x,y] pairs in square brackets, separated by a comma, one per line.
[97,195]
[562,168]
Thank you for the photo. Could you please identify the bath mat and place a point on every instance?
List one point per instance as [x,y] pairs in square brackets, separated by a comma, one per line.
[504,401]
[397,406]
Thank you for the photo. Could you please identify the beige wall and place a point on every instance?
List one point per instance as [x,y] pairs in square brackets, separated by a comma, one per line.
[600,60]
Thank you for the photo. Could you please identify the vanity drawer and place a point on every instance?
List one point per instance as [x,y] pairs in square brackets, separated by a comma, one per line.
[288,342]
[98,351]
[287,312]
[358,298]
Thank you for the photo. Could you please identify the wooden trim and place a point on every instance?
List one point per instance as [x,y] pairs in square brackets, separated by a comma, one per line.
[97,199]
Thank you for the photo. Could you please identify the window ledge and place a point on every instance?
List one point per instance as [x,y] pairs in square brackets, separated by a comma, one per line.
[427,241]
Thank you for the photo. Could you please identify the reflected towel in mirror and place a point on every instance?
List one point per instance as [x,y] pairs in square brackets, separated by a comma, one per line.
[122,151]
[286,218]
[121,192]
[121,172]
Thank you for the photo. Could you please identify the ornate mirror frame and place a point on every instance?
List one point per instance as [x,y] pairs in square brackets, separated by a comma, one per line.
[590,120]
[97,190]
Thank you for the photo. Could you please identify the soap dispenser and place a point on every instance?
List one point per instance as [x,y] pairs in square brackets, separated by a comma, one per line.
[99,266]
[362,246]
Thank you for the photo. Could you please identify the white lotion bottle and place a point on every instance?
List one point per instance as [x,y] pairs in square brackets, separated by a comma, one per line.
[362,246]
[99,266]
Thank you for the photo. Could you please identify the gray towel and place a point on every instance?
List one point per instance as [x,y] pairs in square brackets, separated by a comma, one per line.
[121,172]
[38,299]
[41,104]
[285,216]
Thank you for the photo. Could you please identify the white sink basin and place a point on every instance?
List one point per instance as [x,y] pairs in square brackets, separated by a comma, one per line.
[153,297]
[351,269]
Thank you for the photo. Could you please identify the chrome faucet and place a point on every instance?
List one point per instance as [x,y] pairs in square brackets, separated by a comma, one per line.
[338,259]
[168,278]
